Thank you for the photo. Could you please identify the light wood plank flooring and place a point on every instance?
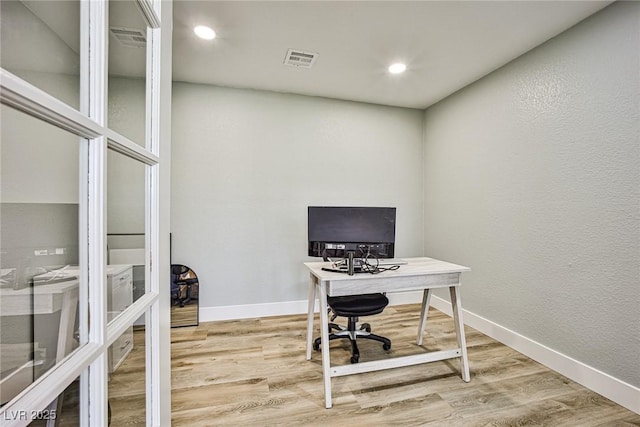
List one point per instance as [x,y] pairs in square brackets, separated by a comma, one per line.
[254,373]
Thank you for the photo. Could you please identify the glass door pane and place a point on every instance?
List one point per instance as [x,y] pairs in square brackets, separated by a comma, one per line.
[40,43]
[39,241]
[127,70]
[126,239]
[127,379]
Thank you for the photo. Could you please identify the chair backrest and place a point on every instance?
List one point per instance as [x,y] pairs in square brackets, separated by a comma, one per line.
[183,280]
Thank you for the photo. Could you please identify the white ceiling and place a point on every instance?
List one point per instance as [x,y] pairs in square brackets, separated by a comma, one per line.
[445,44]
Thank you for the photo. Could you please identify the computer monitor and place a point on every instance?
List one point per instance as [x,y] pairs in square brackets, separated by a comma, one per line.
[334,231]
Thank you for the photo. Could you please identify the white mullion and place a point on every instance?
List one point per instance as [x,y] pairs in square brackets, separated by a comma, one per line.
[83,211]
[97,279]
[125,319]
[159,355]
[152,336]
[152,319]
[29,99]
[153,91]
[149,13]
[83,258]
[97,108]
[125,146]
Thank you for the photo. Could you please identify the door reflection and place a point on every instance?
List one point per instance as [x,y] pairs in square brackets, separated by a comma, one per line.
[184,296]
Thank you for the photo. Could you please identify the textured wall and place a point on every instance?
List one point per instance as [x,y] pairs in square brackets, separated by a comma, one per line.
[532,178]
[246,164]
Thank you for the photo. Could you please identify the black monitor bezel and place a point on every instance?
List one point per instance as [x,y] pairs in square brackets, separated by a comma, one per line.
[340,248]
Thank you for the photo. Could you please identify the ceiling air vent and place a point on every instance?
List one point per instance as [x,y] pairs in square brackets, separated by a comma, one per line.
[129,36]
[299,58]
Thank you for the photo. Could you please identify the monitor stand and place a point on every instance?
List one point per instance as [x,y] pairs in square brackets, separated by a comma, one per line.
[350,263]
[351,268]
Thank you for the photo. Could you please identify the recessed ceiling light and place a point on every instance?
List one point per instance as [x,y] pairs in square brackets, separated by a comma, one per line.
[204,32]
[397,68]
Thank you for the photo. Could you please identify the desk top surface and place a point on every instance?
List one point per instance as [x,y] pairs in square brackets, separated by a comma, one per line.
[414,267]
[68,280]
[51,289]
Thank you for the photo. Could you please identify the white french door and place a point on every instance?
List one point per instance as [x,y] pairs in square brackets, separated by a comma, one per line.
[85,93]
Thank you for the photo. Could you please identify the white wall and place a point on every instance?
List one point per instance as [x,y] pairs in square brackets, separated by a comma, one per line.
[245,166]
[532,179]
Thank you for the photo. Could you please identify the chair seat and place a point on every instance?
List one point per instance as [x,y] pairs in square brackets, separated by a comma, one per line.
[352,307]
[358,305]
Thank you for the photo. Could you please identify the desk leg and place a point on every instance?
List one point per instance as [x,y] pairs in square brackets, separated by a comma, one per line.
[324,336]
[462,342]
[310,314]
[426,300]
[65,341]
[67,323]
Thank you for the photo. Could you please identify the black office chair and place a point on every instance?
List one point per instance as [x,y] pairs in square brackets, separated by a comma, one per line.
[352,307]
[184,284]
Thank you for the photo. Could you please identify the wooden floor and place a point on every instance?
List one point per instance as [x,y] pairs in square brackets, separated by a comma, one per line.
[254,373]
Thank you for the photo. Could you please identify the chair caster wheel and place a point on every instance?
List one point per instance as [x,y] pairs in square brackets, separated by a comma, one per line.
[365,327]
[316,346]
[386,346]
[354,359]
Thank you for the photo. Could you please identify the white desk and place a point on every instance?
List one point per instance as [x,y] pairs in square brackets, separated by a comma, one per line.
[42,299]
[418,274]
[46,299]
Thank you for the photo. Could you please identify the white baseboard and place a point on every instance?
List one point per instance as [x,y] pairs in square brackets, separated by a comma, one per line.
[604,384]
[248,311]
[612,388]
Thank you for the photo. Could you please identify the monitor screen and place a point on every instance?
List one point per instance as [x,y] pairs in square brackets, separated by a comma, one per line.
[335,230]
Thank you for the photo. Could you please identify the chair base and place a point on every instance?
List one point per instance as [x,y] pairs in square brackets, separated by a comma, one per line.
[351,333]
